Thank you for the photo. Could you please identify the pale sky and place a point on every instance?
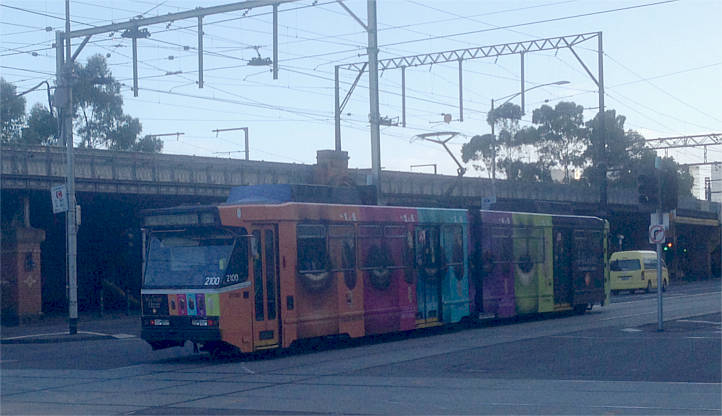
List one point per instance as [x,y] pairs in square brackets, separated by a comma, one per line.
[662,70]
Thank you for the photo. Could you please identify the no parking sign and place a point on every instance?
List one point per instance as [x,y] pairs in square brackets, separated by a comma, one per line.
[59,196]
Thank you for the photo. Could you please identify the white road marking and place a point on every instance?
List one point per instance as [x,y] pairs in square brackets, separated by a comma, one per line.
[122,336]
[699,322]
[37,335]
[631,330]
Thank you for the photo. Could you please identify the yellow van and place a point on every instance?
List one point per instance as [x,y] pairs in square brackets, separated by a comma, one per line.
[632,270]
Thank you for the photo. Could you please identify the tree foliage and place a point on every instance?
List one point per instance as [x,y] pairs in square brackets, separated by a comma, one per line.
[42,127]
[560,137]
[98,116]
[479,150]
[98,106]
[12,112]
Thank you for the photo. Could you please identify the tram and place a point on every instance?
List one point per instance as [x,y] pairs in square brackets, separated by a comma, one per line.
[260,276]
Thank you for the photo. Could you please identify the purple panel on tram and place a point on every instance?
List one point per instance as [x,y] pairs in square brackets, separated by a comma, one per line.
[497,266]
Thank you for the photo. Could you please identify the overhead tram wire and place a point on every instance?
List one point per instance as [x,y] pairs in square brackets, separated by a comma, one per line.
[658,112]
[249,104]
[550,20]
[398,27]
[669,74]
[290,69]
[662,90]
[464,17]
[44,14]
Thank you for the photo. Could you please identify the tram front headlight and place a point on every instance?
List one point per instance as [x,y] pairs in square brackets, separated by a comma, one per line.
[204,322]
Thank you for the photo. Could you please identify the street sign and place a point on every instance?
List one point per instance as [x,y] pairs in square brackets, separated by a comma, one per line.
[656,234]
[654,219]
[59,196]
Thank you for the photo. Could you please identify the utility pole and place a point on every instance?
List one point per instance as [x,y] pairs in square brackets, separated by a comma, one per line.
[602,163]
[493,156]
[64,66]
[660,220]
[374,116]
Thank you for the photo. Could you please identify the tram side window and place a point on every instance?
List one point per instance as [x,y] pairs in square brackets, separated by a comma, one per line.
[529,243]
[270,250]
[501,243]
[396,242]
[588,247]
[370,245]
[258,277]
[454,236]
[427,245]
[342,248]
[312,252]
[376,259]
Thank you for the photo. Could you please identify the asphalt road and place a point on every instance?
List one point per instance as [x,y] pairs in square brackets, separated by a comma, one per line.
[610,361]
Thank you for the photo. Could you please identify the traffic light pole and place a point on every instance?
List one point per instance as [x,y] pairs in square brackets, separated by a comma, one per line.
[660,220]
[660,321]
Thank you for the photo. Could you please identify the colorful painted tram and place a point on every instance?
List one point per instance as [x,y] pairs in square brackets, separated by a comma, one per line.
[259,276]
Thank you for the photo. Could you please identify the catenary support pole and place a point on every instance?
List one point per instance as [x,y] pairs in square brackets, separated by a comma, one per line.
[374,117]
[602,163]
[71,224]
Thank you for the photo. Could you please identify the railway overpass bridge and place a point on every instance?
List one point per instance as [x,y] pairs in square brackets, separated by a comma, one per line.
[112,187]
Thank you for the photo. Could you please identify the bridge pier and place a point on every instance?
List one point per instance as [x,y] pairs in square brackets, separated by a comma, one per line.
[21,265]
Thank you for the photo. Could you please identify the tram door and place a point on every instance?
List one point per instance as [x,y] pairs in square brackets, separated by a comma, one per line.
[264,263]
[563,284]
[429,262]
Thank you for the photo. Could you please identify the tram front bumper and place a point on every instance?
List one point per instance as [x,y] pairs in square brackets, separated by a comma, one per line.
[162,332]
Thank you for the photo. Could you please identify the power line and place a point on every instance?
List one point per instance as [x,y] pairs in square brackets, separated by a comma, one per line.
[661,89]
[555,19]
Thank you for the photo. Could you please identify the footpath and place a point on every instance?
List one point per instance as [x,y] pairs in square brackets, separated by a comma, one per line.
[54,328]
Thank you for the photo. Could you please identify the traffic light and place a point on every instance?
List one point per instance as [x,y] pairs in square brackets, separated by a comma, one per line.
[648,192]
[668,246]
[669,190]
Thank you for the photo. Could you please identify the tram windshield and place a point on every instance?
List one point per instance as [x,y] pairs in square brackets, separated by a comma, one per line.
[178,259]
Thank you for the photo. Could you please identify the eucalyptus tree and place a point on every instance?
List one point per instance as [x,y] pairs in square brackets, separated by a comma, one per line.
[559,136]
[502,145]
[41,127]
[12,112]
